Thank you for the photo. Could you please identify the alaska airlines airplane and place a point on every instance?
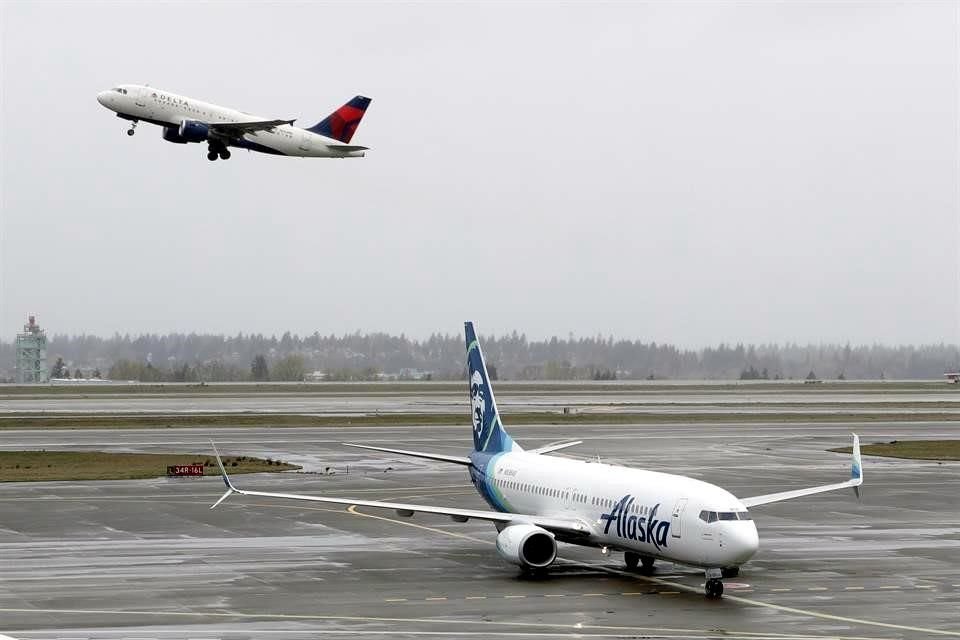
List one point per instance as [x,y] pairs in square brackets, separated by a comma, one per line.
[187,120]
[539,500]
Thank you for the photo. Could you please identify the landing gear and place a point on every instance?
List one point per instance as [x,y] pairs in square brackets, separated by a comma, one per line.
[217,150]
[632,559]
[133,128]
[730,572]
[713,588]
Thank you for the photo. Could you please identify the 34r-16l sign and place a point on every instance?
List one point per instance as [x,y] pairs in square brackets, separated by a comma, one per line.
[185,470]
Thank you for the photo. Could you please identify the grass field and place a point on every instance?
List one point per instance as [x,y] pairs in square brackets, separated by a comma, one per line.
[911,449]
[30,466]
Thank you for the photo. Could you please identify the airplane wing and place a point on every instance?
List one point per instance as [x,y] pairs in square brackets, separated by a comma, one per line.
[856,479]
[558,525]
[239,128]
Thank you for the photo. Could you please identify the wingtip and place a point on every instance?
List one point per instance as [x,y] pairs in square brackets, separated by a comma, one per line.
[223,473]
[856,464]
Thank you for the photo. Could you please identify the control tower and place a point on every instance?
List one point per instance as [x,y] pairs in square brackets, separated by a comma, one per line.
[32,353]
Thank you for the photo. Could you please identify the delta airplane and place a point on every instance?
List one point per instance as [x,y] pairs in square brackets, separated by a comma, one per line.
[187,120]
[539,500]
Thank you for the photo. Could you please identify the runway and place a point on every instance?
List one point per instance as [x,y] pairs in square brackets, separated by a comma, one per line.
[149,559]
[513,396]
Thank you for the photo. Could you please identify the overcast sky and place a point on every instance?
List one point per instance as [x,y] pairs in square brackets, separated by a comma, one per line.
[686,173]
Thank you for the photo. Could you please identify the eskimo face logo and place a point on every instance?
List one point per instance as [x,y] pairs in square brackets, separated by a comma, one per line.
[478,401]
[642,528]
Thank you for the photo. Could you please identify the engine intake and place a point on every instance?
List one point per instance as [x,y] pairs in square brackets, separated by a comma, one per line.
[172,134]
[527,546]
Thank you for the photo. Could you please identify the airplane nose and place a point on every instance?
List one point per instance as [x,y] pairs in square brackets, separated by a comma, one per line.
[102,98]
[743,541]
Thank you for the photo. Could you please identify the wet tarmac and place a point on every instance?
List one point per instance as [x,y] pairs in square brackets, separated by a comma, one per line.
[148,559]
[517,397]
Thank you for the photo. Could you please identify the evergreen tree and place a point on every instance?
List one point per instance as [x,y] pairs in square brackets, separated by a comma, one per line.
[258,369]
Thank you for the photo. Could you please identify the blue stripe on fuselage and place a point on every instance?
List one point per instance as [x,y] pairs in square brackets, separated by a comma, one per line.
[481,474]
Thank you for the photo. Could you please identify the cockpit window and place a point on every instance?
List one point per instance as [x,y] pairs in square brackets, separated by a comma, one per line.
[120,90]
[713,516]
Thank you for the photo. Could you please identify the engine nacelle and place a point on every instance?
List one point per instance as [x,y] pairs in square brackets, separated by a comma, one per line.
[193,131]
[527,545]
[172,134]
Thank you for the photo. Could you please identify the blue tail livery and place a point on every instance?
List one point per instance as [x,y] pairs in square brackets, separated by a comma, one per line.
[488,433]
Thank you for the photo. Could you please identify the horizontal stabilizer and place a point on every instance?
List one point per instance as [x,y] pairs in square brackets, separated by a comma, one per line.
[416,454]
[556,446]
[346,148]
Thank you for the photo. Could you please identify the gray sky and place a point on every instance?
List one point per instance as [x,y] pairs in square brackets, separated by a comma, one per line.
[689,173]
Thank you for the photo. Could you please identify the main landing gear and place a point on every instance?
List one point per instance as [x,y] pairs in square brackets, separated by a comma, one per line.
[632,559]
[215,151]
[713,587]
[133,128]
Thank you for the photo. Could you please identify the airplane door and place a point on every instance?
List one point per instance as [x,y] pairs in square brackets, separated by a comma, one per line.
[303,144]
[141,97]
[676,518]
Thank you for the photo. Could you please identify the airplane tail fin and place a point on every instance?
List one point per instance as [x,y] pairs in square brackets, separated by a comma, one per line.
[488,433]
[342,123]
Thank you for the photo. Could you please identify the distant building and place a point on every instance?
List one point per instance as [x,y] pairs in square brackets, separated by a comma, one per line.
[32,353]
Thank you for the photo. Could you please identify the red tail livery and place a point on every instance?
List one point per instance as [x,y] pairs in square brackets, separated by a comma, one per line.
[342,123]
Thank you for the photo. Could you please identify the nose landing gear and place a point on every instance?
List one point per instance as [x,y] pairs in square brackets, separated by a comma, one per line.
[713,587]
[133,128]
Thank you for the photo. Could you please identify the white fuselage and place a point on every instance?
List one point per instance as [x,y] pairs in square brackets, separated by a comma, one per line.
[646,512]
[137,102]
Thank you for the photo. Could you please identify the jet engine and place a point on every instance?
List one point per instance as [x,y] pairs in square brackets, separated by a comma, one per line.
[193,131]
[172,134]
[527,545]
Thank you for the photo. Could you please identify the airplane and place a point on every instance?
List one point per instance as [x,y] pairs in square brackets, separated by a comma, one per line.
[539,500]
[186,120]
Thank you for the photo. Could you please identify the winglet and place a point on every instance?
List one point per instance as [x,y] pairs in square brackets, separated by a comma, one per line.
[856,467]
[226,479]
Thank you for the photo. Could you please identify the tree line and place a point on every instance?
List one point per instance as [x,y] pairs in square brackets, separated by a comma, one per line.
[371,356]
